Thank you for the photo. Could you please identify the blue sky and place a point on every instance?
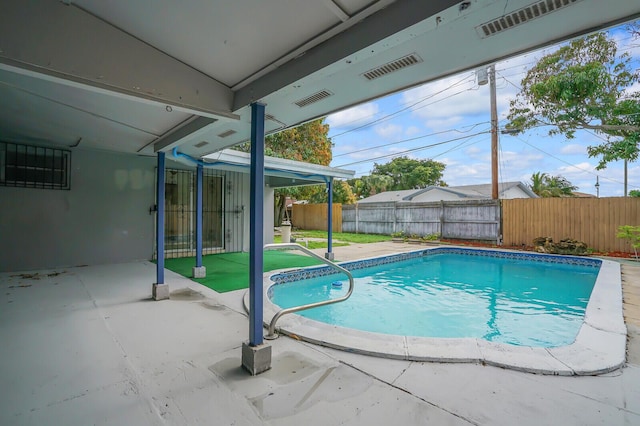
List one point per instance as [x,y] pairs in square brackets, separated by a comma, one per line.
[449,121]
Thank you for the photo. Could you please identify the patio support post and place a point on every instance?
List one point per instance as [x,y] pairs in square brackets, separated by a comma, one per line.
[329,253]
[160,290]
[256,356]
[199,271]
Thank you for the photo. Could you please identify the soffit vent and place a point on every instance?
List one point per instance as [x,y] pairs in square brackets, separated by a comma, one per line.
[520,16]
[201,144]
[269,117]
[227,133]
[392,66]
[313,98]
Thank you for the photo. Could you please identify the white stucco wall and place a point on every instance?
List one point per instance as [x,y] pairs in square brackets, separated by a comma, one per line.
[103,218]
[514,192]
[267,211]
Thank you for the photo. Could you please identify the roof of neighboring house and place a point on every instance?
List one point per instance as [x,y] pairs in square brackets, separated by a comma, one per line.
[582,195]
[463,192]
[387,196]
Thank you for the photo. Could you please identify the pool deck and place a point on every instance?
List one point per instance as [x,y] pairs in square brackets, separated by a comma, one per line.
[88,346]
[599,346]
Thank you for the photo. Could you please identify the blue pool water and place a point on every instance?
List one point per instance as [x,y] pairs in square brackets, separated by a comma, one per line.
[513,301]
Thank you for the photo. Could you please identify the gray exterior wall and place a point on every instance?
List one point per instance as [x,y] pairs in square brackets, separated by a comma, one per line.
[103,218]
[471,220]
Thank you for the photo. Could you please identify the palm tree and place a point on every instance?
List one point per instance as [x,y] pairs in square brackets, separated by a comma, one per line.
[551,186]
[538,180]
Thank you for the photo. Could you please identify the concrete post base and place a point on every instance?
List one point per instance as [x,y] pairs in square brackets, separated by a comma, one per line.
[329,256]
[256,359]
[160,291]
[199,272]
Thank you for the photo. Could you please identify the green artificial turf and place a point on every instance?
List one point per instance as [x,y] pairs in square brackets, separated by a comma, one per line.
[230,271]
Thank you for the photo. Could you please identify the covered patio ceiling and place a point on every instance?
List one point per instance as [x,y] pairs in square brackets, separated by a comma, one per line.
[150,75]
[278,172]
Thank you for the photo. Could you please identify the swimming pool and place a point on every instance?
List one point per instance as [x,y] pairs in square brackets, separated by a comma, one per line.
[594,343]
[456,294]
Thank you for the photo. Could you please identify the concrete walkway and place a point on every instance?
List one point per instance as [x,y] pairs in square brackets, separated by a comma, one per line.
[88,346]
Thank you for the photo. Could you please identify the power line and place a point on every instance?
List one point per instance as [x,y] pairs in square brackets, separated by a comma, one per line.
[388,116]
[572,165]
[412,150]
[460,145]
[470,127]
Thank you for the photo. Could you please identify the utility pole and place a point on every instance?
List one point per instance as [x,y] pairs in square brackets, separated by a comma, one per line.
[625,177]
[494,133]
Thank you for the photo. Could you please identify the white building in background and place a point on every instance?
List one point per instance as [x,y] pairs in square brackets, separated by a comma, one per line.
[506,190]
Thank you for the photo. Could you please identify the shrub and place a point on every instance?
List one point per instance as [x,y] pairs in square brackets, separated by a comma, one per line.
[632,235]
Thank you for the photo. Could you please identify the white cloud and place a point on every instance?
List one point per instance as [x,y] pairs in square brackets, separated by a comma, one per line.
[447,98]
[472,151]
[574,148]
[354,116]
[576,169]
[442,124]
[412,130]
[389,131]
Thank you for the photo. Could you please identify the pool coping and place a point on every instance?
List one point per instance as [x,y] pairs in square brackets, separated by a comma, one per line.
[600,346]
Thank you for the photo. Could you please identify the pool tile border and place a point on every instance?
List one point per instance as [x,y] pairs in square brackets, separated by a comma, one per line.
[600,346]
[320,271]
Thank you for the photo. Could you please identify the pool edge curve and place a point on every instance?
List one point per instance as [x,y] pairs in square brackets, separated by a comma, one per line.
[600,346]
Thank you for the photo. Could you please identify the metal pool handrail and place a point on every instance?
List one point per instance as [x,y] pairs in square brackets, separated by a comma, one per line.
[272,326]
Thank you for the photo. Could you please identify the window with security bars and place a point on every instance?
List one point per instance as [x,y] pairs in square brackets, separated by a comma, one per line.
[29,166]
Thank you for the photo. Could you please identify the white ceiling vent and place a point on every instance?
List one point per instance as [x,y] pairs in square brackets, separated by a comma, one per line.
[227,133]
[520,16]
[201,144]
[392,66]
[313,98]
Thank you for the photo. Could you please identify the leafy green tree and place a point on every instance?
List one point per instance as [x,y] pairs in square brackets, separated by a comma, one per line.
[308,142]
[342,193]
[583,85]
[634,193]
[547,186]
[369,185]
[407,173]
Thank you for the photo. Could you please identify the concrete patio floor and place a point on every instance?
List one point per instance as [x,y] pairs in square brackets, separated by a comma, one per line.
[88,346]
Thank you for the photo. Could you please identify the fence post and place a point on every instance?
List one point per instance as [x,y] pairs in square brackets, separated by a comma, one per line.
[357,218]
[395,217]
[498,208]
[441,219]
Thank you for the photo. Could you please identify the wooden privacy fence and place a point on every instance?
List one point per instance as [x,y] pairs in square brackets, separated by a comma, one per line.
[314,216]
[592,220]
[470,220]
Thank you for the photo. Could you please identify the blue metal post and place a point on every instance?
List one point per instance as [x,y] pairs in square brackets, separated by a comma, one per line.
[160,220]
[256,238]
[199,216]
[330,216]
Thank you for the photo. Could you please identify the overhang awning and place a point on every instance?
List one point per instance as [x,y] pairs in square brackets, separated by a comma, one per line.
[278,172]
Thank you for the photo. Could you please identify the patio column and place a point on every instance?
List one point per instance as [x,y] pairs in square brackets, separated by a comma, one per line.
[329,253]
[199,271]
[256,356]
[160,290]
